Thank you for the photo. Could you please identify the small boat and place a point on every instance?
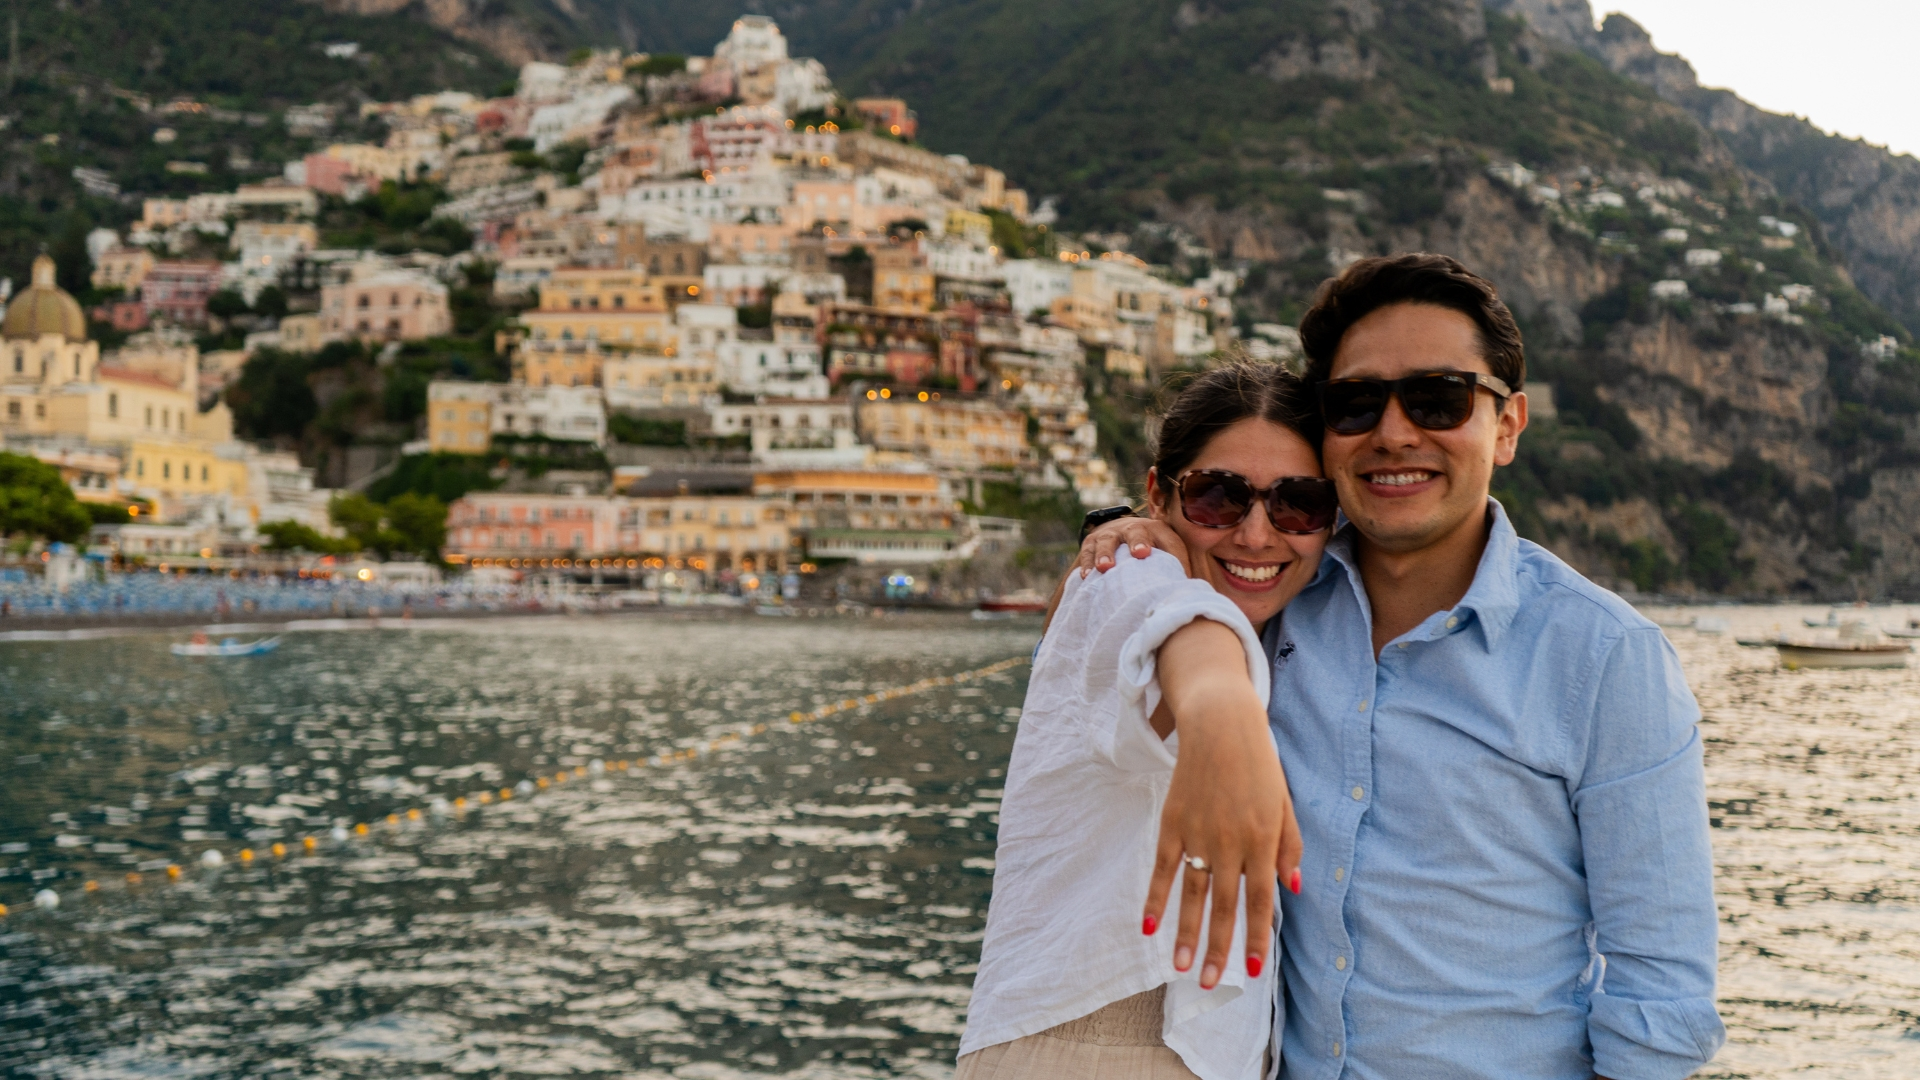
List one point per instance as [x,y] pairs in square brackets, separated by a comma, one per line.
[1912,630]
[1856,646]
[1756,643]
[1024,602]
[200,646]
[777,611]
[1710,624]
[1831,622]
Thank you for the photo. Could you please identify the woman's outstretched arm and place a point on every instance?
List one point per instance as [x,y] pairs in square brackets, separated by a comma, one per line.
[1228,802]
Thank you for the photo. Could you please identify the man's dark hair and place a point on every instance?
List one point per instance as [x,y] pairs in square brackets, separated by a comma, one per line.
[1417,278]
[1216,400]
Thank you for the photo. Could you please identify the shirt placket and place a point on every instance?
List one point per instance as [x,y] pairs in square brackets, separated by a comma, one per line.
[1357,782]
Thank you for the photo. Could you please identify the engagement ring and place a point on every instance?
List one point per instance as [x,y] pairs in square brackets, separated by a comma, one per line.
[1195,862]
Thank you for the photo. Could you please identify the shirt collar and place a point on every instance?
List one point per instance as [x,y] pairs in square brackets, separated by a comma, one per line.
[1494,597]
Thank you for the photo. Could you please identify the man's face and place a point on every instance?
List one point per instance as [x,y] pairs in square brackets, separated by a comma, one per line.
[1404,487]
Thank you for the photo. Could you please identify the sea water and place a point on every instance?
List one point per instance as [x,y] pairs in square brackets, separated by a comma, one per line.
[805,901]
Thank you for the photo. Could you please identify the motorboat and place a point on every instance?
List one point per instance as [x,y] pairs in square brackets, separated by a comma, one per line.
[200,646]
[1912,630]
[1023,602]
[1856,646]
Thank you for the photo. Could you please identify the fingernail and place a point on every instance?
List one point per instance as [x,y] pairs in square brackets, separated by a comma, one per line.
[1148,925]
[1209,976]
[1182,958]
[1254,964]
[1293,881]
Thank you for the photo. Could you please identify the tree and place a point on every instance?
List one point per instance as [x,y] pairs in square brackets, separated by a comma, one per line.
[271,398]
[227,303]
[293,536]
[36,502]
[271,302]
[360,517]
[418,523]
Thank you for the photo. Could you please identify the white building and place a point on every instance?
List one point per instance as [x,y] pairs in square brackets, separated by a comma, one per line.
[802,86]
[1034,284]
[792,434]
[575,118]
[1670,289]
[789,369]
[753,41]
[557,412]
[1701,257]
[963,262]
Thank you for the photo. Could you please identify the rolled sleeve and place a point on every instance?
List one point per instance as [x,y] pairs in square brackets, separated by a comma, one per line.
[1642,815]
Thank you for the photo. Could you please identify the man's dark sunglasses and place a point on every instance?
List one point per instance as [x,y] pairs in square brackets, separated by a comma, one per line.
[1436,401]
[1217,499]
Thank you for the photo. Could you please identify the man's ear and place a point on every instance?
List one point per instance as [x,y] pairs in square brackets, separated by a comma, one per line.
[1508,426]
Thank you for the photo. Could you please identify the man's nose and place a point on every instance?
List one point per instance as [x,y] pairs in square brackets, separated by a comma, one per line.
[1396,428]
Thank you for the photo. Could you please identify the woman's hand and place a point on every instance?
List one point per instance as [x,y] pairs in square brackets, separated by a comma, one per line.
[1102,546]
[1228,803]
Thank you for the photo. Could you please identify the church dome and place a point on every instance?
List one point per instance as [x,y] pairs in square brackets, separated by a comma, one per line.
[44,308]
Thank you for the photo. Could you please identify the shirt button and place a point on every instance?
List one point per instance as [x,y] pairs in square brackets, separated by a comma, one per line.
[1452,622]
[1336,1049]
[1339,873]
[1363,706]
[1359,792]
[1339,963]
[1403,644]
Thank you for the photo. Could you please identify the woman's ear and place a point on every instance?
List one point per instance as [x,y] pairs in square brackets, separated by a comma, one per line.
[1156,497]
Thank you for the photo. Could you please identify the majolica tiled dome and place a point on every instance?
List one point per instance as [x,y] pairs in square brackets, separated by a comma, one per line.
[44,308]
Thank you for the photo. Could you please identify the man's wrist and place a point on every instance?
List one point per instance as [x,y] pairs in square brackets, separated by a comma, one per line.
[1097,518]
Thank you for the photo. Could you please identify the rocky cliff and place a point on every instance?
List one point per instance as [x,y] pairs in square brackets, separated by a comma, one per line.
[1867,198]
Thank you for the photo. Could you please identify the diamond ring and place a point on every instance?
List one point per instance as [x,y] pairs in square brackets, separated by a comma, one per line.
[1196,863]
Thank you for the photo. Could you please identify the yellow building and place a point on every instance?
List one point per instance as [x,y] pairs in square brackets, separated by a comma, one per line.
[953,434]
[901,280]
[460,417]
[643,381]
[123,269]
[546,362]
[619,308]
[140,405]
[971,226]
[866,516]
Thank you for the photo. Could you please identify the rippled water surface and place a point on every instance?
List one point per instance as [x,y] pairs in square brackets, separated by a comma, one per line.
[806,902]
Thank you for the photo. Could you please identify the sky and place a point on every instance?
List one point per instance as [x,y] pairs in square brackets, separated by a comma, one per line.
[1850,66]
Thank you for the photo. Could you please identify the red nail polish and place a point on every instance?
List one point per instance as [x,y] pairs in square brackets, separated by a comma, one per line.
[1293,881]
[1254,965]
[1148,925]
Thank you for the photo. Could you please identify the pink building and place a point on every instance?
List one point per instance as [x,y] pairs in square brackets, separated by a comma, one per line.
[394,306]
[329,175]
[177,291]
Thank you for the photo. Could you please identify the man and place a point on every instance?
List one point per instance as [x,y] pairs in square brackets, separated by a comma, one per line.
[1507,870]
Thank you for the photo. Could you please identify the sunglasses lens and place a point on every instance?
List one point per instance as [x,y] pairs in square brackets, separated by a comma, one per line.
[1302,506]
[1215,500]
[1353,405]
[1437,402]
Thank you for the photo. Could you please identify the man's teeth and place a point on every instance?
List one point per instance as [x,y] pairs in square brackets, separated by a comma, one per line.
[1398,479]
[1252,573]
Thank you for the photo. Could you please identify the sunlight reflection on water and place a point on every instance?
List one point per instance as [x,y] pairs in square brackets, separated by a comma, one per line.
[808,904]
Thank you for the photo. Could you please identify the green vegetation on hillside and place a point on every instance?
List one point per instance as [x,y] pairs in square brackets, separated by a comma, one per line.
[94,81]
[36,504]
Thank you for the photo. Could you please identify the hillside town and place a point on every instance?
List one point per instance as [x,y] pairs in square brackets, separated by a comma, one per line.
[829,319]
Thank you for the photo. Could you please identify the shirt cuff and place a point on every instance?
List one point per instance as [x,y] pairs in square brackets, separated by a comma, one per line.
[1653,1040]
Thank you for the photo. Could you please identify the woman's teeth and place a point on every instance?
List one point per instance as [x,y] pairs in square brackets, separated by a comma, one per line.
[1252,573]
[1399,479]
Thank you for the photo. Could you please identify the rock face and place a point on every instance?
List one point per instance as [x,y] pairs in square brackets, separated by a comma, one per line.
[489,25]
[1867,198]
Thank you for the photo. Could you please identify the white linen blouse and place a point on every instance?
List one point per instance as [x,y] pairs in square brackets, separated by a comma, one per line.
[1079,822]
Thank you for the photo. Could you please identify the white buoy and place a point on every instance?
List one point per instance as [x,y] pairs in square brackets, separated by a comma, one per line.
[211,858]
[46,900]
[439,806]
[524,788]
[597,767]
[339,834]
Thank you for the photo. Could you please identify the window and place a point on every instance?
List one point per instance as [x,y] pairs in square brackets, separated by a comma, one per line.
[365,301]
[166,470]
[13,410]
[149,416]
[203,474]
[113,406]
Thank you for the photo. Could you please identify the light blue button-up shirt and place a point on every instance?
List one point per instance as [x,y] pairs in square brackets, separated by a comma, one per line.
[1507,871]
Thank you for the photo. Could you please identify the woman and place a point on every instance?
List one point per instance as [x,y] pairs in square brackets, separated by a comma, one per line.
[1073,982]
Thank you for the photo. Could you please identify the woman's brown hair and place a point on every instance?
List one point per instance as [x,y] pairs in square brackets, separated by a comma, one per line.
[1218,399]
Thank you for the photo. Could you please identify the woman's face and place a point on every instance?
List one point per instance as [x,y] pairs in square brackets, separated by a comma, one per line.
[1258,567]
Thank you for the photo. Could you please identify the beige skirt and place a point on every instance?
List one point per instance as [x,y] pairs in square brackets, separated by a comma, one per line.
[1120,1041]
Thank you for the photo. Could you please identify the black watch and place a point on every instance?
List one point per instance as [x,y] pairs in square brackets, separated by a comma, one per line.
[1097,518]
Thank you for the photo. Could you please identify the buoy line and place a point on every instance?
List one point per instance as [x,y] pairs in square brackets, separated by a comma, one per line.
[439,807]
